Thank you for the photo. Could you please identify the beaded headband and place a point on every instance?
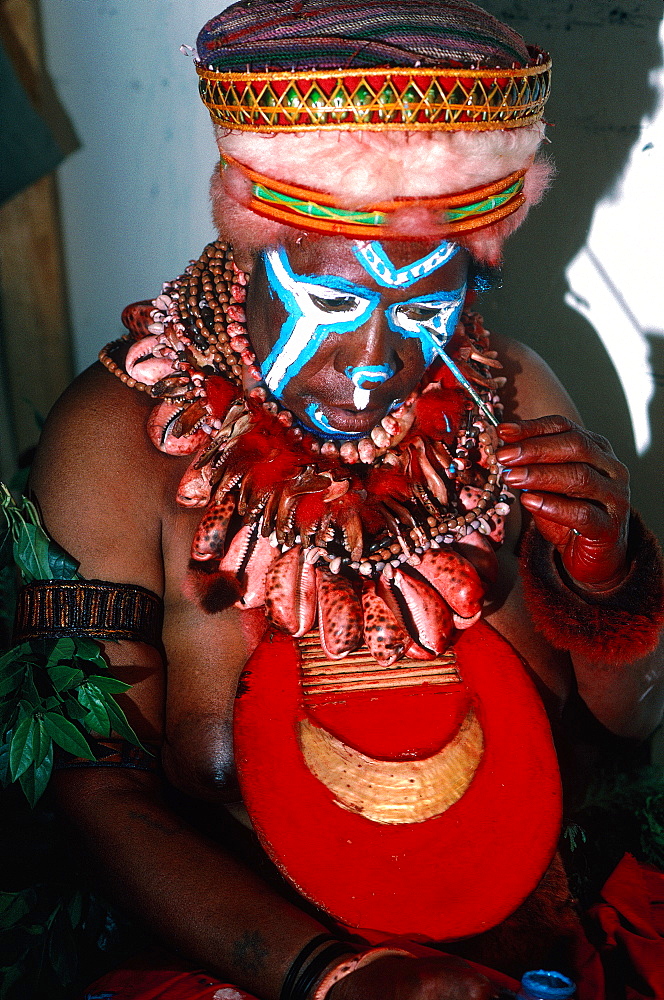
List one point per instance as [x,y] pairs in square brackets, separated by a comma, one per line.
[315,211]
[404,98]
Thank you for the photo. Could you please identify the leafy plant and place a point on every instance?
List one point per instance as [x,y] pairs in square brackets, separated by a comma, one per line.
[53,692]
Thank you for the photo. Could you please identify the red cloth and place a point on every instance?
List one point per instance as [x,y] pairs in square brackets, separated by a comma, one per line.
[156,975]
[629,920]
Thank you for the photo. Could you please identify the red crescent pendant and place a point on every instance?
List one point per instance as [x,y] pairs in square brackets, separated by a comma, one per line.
[420,799]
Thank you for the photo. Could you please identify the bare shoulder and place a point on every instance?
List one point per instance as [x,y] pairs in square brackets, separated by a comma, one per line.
[100,483]
[532,389]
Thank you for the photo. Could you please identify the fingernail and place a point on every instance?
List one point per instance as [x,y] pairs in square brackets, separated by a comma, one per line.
[511,428]
[515,476]
[511,453]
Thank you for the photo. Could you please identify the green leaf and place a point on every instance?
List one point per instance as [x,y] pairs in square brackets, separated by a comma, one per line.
[97,716]
[19,654]
[11,976]
[73,709]
[42,743]
[10,682]
[63,678]
[62,651]
[62,950]
[66,735]
[62,565]
[31,552]
[35,779]
[21,748]
[110,685]
[88,649]
[5,777]
[13,907]
[75,908]
[119,722]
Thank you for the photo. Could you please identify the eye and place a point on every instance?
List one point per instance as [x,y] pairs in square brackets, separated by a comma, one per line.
[340,303]
[419,314]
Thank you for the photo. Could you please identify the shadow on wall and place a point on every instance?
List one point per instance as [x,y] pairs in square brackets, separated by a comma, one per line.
[603,54]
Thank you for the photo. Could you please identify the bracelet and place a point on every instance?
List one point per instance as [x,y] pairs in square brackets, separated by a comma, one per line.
[298,962]
[353,962]
[301,977]
[617,627]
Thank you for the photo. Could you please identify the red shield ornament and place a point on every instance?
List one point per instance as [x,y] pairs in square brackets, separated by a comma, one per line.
[420,799]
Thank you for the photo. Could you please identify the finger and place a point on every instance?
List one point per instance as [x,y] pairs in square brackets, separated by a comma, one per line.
[517,429]
[570,446]
[556,516]
[573,479]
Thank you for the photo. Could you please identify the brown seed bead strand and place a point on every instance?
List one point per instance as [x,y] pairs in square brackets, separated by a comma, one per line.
[115,369]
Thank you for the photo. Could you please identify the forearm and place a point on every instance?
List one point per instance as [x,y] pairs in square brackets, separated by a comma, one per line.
[627,698]
[191,893]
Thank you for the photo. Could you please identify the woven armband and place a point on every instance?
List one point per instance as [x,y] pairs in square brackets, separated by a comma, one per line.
[111,753]
[617,627]
[49,609]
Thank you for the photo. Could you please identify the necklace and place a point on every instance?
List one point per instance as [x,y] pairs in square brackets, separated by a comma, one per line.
[301,522]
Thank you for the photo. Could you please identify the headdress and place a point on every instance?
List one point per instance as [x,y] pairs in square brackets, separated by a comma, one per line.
[418,121]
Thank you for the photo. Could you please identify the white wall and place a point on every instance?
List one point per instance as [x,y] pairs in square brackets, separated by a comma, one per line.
[583,277]
[134,197]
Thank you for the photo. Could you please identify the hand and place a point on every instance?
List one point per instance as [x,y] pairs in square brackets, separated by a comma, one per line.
[440,977]
[577,492]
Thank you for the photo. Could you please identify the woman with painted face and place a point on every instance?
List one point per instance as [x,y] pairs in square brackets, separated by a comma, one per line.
[311,450]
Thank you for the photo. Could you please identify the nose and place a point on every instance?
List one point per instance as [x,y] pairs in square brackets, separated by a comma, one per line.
[367,356]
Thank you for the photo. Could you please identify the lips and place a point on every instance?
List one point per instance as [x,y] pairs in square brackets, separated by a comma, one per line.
[350,420]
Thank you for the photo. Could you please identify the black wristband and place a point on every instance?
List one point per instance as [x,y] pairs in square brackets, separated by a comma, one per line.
[298,962]
[310,976]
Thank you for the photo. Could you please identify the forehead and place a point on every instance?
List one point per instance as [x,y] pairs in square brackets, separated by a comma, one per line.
[323,256]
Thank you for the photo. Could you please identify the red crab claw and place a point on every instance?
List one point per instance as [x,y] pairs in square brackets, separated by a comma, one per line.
[161,426]
[249,558]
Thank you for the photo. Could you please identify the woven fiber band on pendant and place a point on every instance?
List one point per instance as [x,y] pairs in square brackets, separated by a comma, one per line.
[50,609]
[315,211]
[423,98]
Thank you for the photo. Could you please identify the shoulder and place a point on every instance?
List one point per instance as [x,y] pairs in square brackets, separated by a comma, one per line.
[532,389]
[100,483]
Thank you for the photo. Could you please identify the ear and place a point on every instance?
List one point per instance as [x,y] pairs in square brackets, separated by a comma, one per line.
[245,258]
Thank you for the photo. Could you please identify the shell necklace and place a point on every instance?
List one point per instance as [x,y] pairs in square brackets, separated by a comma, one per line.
[383,530]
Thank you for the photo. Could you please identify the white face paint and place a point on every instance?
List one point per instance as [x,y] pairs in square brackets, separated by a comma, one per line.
[319,305]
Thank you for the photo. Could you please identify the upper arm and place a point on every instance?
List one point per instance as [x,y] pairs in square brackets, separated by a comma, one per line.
[532,389]
[98,483]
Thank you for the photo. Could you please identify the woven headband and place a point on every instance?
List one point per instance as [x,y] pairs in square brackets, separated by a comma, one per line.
[312,210]
[404,98]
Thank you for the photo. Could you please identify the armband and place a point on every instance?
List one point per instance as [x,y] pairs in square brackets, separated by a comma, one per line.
[111,753]
[618,627]
[50,609]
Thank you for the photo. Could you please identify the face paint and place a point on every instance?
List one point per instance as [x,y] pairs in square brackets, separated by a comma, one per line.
[316,307]
[375,262]
[373,374]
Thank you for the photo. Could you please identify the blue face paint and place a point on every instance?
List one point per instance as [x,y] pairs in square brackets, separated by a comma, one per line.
[316,307]
[319,305]
[373,375]
[375,262]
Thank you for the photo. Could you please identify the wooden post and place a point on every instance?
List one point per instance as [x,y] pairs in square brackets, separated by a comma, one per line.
[35,343]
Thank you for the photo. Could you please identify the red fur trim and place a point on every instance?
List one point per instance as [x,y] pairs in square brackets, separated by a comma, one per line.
[220,394]
[434,406]
[619,627]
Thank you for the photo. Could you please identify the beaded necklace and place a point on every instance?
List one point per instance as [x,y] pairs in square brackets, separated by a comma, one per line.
[360,508]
